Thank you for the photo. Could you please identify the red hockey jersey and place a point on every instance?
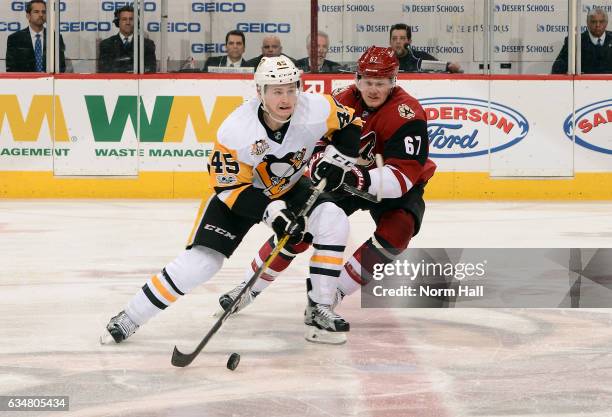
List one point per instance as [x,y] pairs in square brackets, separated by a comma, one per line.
[398,131]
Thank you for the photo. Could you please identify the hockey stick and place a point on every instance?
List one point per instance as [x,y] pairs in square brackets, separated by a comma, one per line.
[379,164]
[359,193]
[183,359]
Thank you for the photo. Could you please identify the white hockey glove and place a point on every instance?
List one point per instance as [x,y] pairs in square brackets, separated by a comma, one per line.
[333,165]
[284,221]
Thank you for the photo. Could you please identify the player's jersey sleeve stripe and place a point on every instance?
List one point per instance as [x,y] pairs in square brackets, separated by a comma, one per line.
[401,179]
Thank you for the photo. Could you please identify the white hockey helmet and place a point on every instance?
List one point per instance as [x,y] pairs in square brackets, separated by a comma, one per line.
[276,70]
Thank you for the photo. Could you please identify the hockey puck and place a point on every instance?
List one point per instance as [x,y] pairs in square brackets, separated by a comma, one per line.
[233,361]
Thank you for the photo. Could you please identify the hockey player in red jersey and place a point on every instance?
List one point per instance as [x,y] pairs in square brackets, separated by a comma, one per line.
[395,126]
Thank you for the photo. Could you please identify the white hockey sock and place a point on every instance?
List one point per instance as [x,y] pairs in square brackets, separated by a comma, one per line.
[191,268]
[329,226]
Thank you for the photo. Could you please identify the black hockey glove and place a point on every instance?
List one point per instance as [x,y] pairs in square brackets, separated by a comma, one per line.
[284,221]
[359,178]
[331,165]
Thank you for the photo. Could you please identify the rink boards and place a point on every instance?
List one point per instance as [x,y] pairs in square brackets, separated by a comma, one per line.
[499,137]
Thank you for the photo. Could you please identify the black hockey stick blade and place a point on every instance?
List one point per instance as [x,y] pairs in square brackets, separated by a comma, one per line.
[181,359]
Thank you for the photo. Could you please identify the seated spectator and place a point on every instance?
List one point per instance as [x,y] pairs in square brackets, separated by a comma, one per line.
[26,50]
[234,45]
[324,65]
[400,38]
[117,52]
[595,47]
[270,46]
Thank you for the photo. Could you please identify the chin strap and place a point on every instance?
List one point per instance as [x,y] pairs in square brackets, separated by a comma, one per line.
[273,118]
[265,109]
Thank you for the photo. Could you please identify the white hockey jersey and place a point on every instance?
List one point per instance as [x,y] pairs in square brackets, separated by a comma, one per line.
[245,157]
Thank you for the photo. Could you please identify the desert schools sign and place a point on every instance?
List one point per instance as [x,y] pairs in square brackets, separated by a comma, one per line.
[593,126]
[457,125]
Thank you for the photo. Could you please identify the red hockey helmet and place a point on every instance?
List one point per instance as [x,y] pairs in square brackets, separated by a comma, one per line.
[378,62]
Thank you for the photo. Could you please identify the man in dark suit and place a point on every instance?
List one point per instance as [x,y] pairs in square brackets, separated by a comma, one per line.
[270,46]
[596,47]
[26,50]
[234,45]
[117,52]
[325,65]
[400,39]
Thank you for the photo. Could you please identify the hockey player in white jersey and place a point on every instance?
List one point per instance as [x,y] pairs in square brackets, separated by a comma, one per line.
[256,169]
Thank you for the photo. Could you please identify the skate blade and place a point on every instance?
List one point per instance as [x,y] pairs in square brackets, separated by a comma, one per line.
[107,339]
[315,335]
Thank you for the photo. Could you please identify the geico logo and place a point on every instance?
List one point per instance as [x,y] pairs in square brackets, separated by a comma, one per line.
[264,27]
[211,6]
[20,6]
[85,26]
[176,27]
[222,232]
[111,6]
[10,26]
[201,48]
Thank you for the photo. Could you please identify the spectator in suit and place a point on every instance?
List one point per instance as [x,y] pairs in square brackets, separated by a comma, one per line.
[26,50]
[270,46]
[117,52]
[325,65]
[400,39]
[595,44]
[234,45]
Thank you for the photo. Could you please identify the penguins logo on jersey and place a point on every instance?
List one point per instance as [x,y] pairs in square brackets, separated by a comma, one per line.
[275,173]
[343,114]
[366,149]
[405,111]
[259,147]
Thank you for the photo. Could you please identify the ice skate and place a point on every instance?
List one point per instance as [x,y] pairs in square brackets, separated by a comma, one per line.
[323,325]
[228,298]
[308,311]
[118,329]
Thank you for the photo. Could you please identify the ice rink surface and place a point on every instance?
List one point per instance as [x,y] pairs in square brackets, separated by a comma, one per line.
[68,266]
